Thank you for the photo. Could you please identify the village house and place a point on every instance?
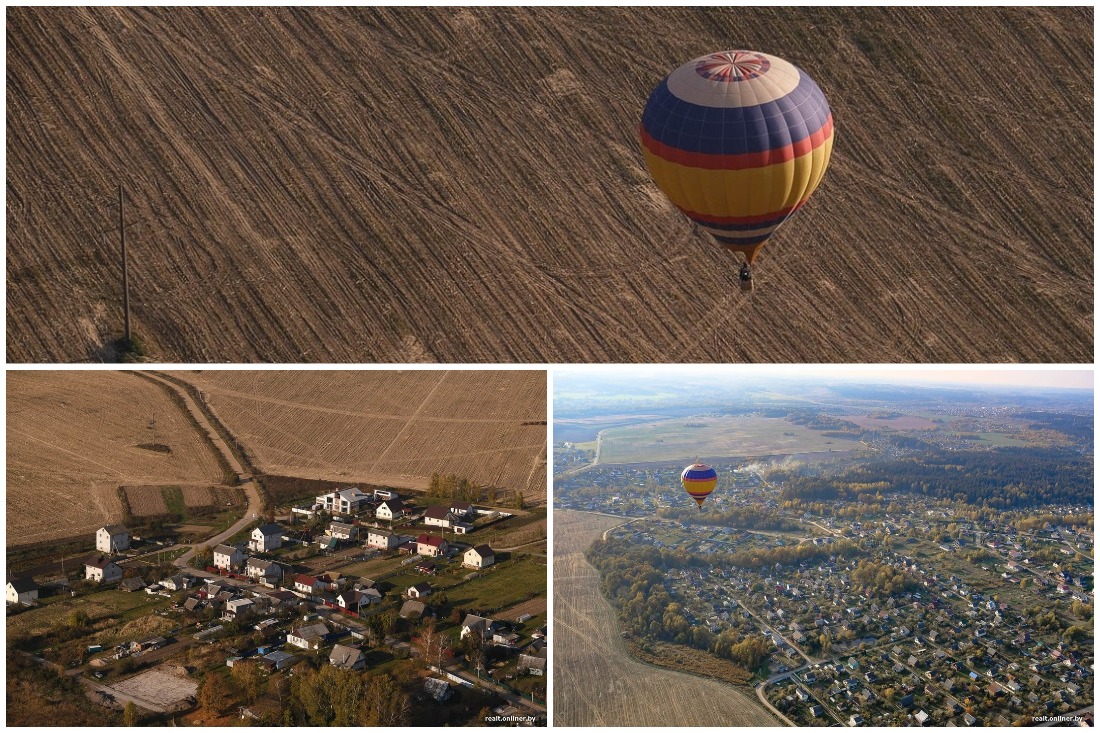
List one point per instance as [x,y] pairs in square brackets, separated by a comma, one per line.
[308,637]
[481,556]
[101,569]
[354,600]
[177,582]
[431,546]
[463,509]
[112,539]
[474,624]
[237,608]
[258,569]
[228,557]
[382,539]
[348,501]
[266,537]
[391,509]
[413,609]
[533,660]
[347,657]
[22,592]
[277,660]
[439,516]
[420,590]
[342,531]
[309,584]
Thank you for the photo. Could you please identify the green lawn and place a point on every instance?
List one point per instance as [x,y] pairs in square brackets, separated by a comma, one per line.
[110,604]
[501,586]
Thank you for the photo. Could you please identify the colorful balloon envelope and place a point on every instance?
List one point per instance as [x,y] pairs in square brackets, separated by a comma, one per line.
[737,140]
[699,480]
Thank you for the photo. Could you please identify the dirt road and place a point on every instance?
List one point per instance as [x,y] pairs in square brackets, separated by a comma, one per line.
[255,505]
[596,682]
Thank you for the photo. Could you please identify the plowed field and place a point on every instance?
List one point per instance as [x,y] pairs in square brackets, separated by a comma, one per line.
[596,682]
[72,440]
[388,427]
[464,185]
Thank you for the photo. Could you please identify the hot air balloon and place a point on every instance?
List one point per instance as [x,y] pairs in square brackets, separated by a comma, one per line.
[699,480]
[737,140]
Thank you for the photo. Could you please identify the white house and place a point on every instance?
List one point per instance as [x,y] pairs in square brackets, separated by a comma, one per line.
[382,539]
[354,600]
[481,556]
[228,557]
[22,592]
[431,546]
[463,509]
[347,657]
[112,539]
[385,494]
[238,607]
[342,531]
[420,590]
[177,582]
[258,569]
[348,501]
[439,516]
[266,537]
[308,637]
[308,584]
[101,569]
[478,624]
[390,510]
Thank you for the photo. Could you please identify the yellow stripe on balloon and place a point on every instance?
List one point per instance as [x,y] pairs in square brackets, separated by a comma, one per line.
[771,188]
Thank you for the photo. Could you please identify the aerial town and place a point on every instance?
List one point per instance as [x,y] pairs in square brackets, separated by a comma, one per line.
[417,591]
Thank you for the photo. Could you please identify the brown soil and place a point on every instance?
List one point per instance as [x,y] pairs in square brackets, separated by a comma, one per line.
[402,184]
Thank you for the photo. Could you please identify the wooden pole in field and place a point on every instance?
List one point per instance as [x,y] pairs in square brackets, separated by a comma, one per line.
[125,271]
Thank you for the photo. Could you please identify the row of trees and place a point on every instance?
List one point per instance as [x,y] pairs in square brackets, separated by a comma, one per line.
[324,696]
[460,488]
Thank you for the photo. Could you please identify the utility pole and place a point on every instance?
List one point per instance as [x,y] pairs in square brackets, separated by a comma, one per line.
[125,272]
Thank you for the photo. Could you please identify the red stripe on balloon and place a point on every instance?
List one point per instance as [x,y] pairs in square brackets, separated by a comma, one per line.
[738,162]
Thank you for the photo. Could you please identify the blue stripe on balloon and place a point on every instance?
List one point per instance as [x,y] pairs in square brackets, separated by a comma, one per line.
[746,227]
[700,475]
[735,130]
[742,240]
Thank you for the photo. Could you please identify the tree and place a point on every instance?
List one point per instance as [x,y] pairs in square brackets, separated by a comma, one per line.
[250,678]
[212,694]
[78,619]
[519,502]
[384,703]
[130,715]
[203,557]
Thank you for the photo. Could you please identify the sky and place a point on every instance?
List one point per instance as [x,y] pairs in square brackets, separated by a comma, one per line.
[1009,375]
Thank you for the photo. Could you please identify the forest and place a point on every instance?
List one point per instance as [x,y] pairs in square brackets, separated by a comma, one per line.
[1004,478]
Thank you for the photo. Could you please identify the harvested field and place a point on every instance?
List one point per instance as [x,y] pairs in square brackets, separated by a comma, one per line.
[533,607]
[146,501]
[596,682]
[387,427]
[314,194]
[906,422]
[72,440]
[197,496]
[158,689]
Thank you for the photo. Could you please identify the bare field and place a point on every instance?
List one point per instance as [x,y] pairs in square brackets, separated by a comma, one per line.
[711,437]
[72,440]
[146,501]
[388,427]
[465,185]
[197,496]
[158,688]
[596,682]
[907,422]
